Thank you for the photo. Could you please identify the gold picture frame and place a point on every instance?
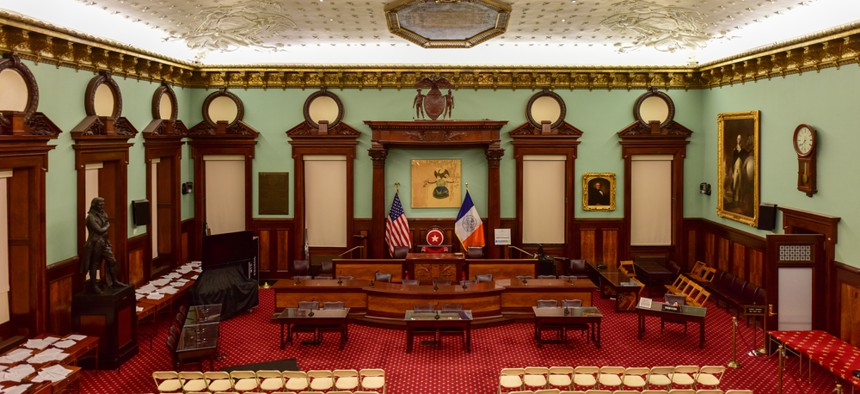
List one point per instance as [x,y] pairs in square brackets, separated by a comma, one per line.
[436,183]
[598,191]
[738,170]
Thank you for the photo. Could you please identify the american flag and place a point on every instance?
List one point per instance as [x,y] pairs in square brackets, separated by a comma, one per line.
[397,227]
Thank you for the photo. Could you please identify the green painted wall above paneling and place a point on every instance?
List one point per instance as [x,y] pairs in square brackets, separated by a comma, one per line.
[825,100]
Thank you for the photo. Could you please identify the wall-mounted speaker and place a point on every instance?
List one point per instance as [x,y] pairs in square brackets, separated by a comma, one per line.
[766,217]
[140,212]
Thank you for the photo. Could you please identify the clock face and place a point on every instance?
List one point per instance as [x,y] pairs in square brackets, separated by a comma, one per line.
[804,140]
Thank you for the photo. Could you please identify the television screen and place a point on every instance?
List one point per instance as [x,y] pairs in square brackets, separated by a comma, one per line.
[228,248]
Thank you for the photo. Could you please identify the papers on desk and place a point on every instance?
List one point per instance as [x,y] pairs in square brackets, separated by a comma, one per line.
[155,296]
[160,282]
[54,373]
[138,309]
[76,337]
[21,388]
[173,275]
[15,356]
[146,289]
[195,276]
[40,343]
[168,290]
[52,354]
[17,373]
[65,344]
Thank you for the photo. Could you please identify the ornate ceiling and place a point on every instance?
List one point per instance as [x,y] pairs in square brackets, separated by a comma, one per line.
[670,33]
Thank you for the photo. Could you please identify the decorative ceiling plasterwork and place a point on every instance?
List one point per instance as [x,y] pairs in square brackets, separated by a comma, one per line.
[37,42]
[664,28]
[227,27]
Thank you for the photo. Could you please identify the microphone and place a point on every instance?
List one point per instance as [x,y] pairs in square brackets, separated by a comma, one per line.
[532,255]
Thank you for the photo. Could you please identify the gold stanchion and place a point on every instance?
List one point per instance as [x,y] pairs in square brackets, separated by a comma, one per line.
[763,349]
[838,389]
[779,373]
[733,363]
[266,284]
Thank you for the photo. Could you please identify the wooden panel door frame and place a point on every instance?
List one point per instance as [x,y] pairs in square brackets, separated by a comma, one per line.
[340,140]
[796,221]
[168,152]
[562,141]
[817,264]
[24,148]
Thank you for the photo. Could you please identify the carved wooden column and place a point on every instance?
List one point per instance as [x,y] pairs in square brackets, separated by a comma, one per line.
[494,204]
[376,245]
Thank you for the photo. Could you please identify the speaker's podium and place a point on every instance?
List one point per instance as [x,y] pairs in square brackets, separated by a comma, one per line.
[112,317]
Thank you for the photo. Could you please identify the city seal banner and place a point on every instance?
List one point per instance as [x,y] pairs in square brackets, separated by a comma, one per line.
[469,227]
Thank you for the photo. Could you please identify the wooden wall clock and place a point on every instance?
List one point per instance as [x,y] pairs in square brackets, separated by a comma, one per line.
[805,143]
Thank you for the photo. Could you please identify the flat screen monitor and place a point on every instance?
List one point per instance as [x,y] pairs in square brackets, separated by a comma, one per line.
[228,248]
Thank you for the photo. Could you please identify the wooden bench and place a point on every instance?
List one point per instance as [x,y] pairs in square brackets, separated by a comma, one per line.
[695,294]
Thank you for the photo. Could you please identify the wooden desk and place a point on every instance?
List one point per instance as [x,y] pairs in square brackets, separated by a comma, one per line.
[687,314]
[653,273]
[83,349]
[365,269]
[200,314]
[461,320]
[315,318]
[502,268]
[617,284]
[519,296]
[289,292]
[428,266]
[567,317]
[390,300]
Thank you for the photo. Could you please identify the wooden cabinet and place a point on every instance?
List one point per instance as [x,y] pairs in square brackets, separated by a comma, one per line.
[110,316]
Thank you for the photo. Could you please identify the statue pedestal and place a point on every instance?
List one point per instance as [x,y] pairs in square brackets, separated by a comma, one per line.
[112,317]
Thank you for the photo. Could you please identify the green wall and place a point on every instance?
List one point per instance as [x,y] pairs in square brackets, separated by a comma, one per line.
[824,100]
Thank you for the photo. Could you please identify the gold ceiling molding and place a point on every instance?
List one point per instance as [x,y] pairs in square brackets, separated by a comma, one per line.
[39,42]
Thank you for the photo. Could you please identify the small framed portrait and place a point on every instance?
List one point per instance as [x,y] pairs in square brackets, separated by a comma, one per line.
[598,191]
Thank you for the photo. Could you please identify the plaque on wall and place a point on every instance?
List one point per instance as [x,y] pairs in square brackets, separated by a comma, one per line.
[274,193]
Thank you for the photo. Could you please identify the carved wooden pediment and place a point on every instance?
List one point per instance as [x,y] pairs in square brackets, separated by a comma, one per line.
[222,130]
[163,128]
[565,130]
[671,131]
[25,121]
[304,130]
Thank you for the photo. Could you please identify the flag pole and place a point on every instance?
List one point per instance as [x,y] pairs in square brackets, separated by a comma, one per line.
[467,187]
[397,187]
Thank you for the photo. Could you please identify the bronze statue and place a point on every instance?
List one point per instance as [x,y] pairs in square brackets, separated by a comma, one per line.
[98,248]
[418,103]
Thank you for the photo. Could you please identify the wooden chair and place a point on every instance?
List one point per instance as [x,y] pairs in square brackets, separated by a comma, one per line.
[627,267]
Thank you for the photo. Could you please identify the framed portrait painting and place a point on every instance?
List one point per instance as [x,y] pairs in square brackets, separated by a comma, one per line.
[436,183]
[598,191]
[738,166]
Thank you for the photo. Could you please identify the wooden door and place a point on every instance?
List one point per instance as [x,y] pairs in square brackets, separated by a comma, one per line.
[795,266]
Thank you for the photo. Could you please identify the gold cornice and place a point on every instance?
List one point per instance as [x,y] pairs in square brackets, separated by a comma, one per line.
[41,42]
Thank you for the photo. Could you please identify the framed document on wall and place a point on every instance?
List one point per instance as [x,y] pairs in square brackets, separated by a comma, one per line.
[436,183]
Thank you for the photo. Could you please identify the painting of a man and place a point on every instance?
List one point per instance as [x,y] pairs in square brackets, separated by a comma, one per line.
[598,191]
[738,166]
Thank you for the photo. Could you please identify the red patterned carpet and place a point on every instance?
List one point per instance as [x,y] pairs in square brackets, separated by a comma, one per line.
[251,338]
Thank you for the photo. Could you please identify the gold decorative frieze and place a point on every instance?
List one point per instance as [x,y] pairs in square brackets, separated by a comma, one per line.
[40,42]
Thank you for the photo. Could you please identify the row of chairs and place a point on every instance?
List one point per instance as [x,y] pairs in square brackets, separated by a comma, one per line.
[702,273]
[673,391]
[370,379]
[611,377]
[286,392]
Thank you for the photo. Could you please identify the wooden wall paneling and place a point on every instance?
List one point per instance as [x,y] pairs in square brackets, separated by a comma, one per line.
[847,303]
[187,242]
[588,240]
[756,267]
[610,244]
[710,256]
[139,248]
[283,251]
[738,260]
[849,313]
[264,256]
[693,251]
[723,255]
[61,280]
